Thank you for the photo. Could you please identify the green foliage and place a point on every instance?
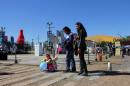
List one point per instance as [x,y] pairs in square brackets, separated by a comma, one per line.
[124,40]
[103,43]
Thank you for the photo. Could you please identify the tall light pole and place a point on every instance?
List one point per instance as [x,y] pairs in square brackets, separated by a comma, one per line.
[32,44]
[49,25]
[49,34]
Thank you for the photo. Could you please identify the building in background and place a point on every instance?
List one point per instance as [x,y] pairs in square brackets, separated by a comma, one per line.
[3,44]
[60,36]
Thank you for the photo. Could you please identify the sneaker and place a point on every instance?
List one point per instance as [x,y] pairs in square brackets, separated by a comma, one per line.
[80,73]
[84,74]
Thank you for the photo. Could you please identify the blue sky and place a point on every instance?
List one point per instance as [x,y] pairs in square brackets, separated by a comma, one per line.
[104,17]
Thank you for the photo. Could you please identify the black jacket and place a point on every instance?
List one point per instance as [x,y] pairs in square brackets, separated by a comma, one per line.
[82,35]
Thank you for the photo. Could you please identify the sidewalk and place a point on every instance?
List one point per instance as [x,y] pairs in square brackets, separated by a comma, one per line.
[98,73]
[30,59]
[119,76]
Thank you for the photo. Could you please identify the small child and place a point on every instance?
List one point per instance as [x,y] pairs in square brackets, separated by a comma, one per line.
[51,63]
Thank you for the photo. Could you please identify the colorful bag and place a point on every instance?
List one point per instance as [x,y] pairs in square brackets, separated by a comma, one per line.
[43,66]
[52,66]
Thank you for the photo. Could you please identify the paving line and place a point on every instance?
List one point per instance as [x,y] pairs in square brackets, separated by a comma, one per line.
[15,69]
[37,80]
[58,79]
[11,72]
[21,79]
[17,75]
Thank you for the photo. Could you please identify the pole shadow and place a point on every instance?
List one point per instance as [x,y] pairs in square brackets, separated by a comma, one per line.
[5,73]
[107,73]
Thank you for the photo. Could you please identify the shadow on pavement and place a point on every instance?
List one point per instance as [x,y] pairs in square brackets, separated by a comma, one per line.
[6,73]
[107,73]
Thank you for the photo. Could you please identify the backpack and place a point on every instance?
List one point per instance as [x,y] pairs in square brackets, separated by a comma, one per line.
[51,67]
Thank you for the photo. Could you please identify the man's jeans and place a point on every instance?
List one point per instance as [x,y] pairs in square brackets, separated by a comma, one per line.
[70,62]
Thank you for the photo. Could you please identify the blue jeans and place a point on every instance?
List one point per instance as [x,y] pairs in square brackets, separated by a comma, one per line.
[70,62]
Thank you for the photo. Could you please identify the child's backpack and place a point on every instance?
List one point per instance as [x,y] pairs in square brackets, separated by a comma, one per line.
[52,66]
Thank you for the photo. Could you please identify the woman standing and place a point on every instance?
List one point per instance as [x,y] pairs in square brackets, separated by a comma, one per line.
[82,34]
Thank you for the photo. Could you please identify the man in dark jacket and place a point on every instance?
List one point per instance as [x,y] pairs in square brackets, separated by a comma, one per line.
[82,34]
[70,62]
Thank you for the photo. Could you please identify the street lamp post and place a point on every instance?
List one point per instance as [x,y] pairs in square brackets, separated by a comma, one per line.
[49,36]
[88,57]
[14,51]
[16,61]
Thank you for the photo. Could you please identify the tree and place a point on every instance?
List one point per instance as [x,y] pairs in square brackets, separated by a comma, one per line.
[124,40]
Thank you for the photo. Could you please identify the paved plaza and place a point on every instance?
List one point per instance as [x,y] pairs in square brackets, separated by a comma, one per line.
[27,73]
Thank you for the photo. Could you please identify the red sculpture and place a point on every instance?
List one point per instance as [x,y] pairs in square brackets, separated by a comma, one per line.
[20,39]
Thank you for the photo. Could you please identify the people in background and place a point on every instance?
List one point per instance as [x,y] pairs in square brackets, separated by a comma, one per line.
[99,53]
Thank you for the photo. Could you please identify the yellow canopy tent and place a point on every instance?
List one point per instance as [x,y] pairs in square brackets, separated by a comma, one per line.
[100,38]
